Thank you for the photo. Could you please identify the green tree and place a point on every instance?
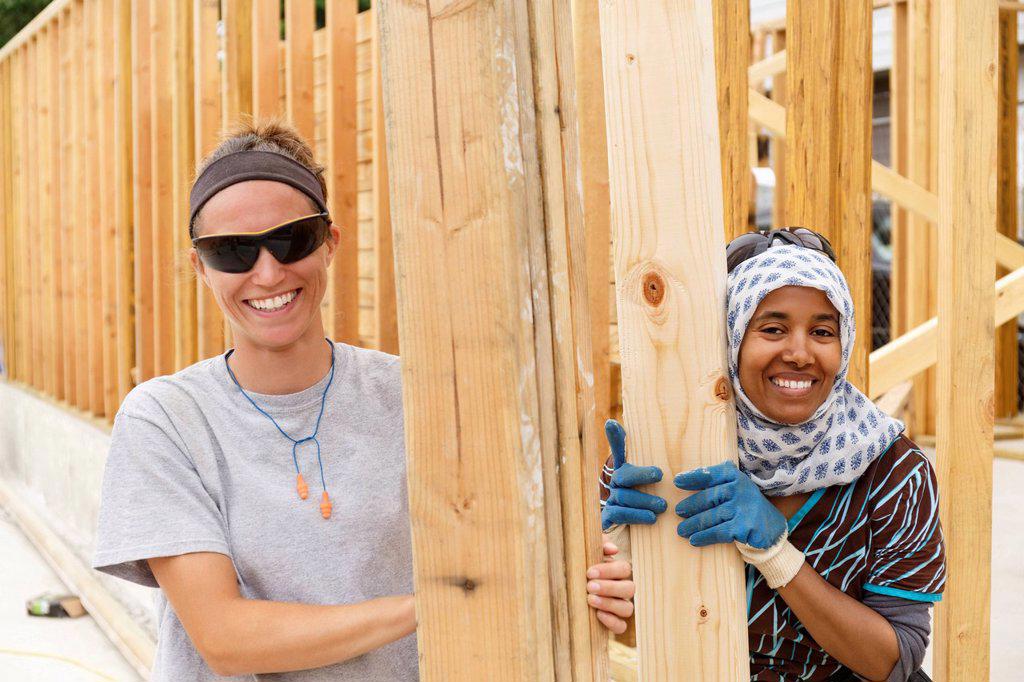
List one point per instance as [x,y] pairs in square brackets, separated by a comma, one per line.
[15,14]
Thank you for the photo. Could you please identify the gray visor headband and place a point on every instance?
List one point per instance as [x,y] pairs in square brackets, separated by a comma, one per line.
[251,165]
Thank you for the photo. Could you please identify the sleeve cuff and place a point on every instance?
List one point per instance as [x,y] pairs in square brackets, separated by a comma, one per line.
[779,563]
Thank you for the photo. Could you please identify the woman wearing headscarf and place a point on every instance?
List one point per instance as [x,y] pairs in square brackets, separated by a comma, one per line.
[263,490]
[833,509]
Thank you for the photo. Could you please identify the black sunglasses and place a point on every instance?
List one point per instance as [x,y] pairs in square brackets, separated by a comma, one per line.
[288,242]
[748,245]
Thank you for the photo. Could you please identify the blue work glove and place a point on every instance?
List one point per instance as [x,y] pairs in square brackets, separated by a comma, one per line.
[729,508]
[625,505]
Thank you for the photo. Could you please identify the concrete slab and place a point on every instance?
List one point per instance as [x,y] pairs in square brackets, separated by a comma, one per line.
[46,649]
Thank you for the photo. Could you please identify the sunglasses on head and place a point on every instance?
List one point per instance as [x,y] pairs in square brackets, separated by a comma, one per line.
[288,242]
[752,244]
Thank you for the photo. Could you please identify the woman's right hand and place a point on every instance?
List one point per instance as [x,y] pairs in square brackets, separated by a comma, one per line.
[610,590]
[625,505]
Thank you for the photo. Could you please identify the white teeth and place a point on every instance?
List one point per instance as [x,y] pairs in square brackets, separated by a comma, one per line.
[272,304]
[784,383]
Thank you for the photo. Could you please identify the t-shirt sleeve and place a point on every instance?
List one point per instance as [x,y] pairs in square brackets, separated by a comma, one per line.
[908,557]
[153,503]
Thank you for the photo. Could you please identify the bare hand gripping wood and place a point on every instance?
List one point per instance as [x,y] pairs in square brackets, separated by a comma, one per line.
[666,194]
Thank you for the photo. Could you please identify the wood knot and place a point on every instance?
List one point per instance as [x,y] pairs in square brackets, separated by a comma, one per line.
[722,389]
[654,288]
[703,614]
[630,58]
[469,585]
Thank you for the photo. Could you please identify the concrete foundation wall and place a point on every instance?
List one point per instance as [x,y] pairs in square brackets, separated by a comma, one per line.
[54,459]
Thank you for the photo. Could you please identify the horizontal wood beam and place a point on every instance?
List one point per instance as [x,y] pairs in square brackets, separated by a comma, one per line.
[1008,6]
[917,350]
[766,68]
[885,181]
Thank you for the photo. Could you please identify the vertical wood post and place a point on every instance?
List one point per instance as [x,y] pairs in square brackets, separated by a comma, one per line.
[968,101]
[161,86]
[828,133]
[237,83]
[778,144]
[266,67]
[386,331]
[732,57]
[483,160]
[142,172]
[108,220]
[300,20]
[667,212]
[899,144]
[1006,335]
[122,153]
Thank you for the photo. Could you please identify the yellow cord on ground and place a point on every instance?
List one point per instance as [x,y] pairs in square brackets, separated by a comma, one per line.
[57,657]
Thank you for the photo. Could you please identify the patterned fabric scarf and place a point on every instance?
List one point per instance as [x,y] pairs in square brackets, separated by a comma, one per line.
[847,431]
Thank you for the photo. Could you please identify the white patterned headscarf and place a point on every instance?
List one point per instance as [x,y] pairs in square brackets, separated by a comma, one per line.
[847,431]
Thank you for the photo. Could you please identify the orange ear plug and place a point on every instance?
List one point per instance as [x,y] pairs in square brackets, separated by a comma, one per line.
[325,506]
[301,486]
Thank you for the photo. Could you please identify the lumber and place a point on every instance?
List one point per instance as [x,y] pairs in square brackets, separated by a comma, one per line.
[767,68]
[895,401]
[80,254]
[93,304]
[6,327]
[266,67]
[31,216]
[56,219]
[207,83]
[342,158]
[142,180]
[666,197]
[68,194]
[237,70]
[123,193]
[596,209]
[476,161]
[161,87]
[44,207]
[107,226]
[968,78]
[828,130]
[1006,360]
[298,27]
[386,331]
[732,54]
[779,146]
[899,152]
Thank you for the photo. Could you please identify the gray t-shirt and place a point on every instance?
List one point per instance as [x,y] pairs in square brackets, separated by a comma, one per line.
[194,467]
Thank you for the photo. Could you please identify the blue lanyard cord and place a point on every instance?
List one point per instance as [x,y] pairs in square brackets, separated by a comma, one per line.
[300,441]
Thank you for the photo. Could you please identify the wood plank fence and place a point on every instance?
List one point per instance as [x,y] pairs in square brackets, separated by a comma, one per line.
[105,107]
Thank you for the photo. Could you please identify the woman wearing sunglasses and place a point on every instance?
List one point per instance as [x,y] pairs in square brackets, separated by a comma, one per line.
[834,511]
[263,490]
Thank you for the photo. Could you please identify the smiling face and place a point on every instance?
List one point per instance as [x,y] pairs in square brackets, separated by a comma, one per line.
[790,354]
[272,305]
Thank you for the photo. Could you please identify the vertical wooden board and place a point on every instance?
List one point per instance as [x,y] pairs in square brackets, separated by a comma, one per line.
[299,22]
[780,95]
[207,83]
[341,165]
[237,84]
[142,184]
[162,183]
[666,197]
[45,208]
[107,225]
[57,218]
[384,272]
[899,143]
[80,230]
[732,57]
[18,223]
[828,133]
[32,222]
[123,195]
[470,379]
[5,220]
[967,163]
[594,161]
[68,201]
[266,32]
[1006,336]
[93,169]
[183,143]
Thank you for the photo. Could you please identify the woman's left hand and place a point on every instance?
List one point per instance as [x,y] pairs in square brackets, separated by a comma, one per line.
[610,590]
[728,508]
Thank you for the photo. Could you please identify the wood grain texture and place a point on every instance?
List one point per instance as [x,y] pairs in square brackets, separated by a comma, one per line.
[142,174]
[93,209]
[828,173]
[780,96]
[342,158]
[207,100]
[266,67]
[967,163]
[161,89]
[1006,335]
[237,69]
[899,152]
[123,195]
[67,189]
[80,87]
[597,211]
[732,57]
[183,161]
[107,227]
[666,194]
[299,23]
[57,219]
[386,331]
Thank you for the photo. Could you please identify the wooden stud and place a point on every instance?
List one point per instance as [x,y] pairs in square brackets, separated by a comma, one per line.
[828,174]
[123,194]
[67,192]
[299,23]
[81,252]
[780,95]
[57,219]
[266,67]
[732,55]
[183,161]
[33,222]
[43,202]
[142,182]
[6,341]
[207,82]
[384,272]
[237,83]
[899,142]
[968,82]
[597,217]
[670,274]
[161,88]
[93,210]
[341,165]
[107,226]
[17,224]
[1006,336]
